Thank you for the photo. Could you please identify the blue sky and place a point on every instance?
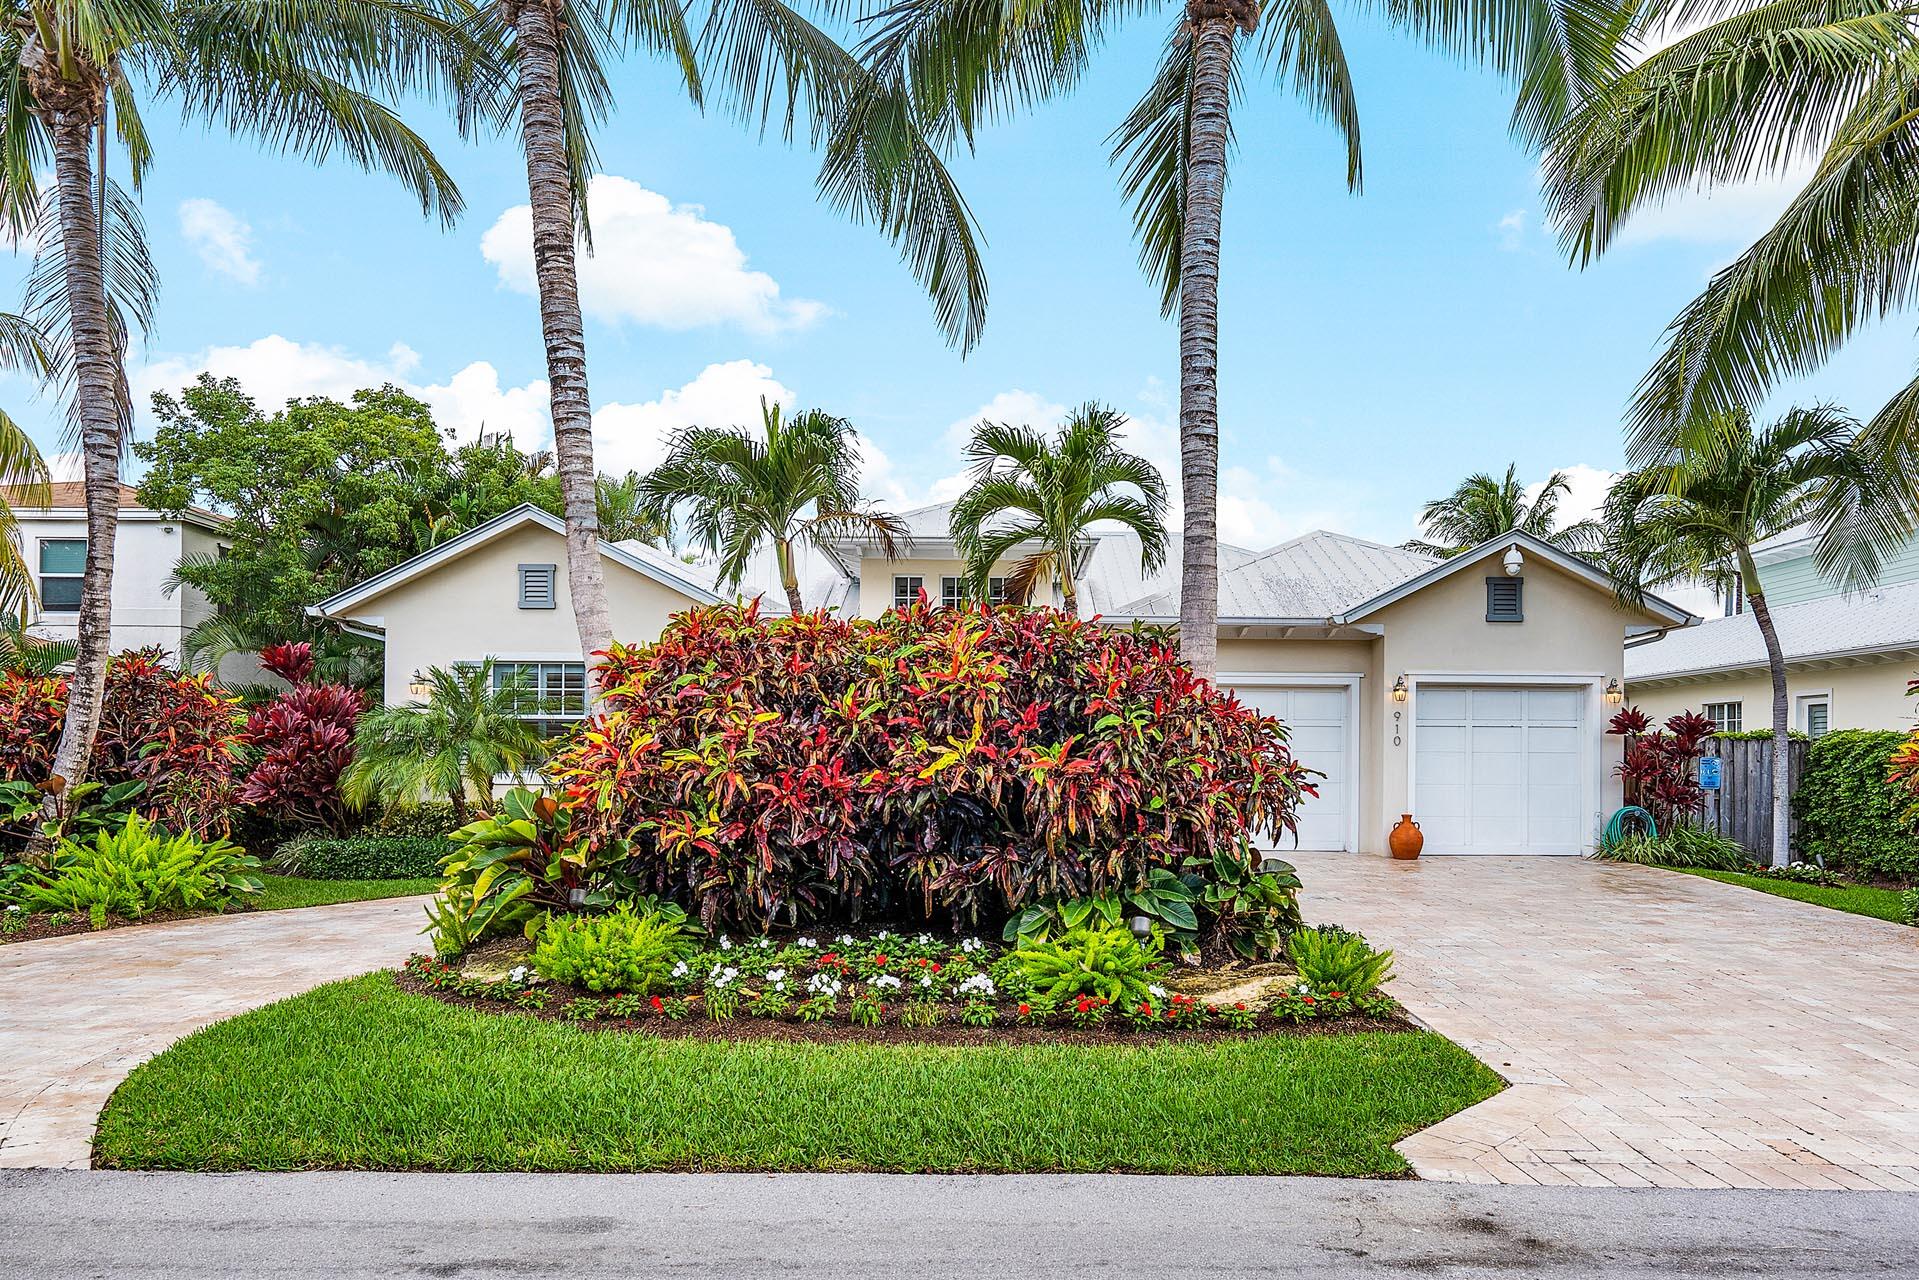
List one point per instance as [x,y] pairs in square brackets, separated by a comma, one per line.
[1376,348]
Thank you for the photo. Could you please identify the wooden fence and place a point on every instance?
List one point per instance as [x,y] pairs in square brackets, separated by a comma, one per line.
[1742,809]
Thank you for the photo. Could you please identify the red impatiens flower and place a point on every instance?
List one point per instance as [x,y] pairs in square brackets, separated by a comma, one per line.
[879,962]
[1025,1009]
[659,1005]
[1309,1000]
[1335,995]
[1146,1007]
[936,967]
[1240,1005]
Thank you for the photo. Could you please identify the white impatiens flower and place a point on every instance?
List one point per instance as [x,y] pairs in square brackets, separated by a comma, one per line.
[1156,991]
[971,945]
[977,985]
[811,944]
[846,939]
[776,975]
[726,943]
[680,969]
[517,974]
[925,939]
[765,943]
[823,984]
[887,981]
[926,982]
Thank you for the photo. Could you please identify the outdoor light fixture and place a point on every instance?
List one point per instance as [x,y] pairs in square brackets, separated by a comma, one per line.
[1513,561]
[420,688]
[1142,927]
[1399,689]
[576,897]
[1614,694]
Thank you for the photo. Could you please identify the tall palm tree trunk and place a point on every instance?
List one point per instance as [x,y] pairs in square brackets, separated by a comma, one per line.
[72,112]
[1199,335]
[1781,776]
[789,576]
[550,191]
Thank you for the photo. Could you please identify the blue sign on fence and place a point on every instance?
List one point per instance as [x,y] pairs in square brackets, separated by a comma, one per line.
[1709,773]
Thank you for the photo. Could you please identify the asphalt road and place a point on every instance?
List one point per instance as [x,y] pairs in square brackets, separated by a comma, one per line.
[797,1227]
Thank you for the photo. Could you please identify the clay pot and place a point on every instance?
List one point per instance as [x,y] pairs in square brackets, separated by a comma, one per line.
[1407,839]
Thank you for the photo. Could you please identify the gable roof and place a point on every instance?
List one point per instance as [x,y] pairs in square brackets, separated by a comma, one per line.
[71,495]
[1312,577]
[1882,621]
[656,565]
[1568,563]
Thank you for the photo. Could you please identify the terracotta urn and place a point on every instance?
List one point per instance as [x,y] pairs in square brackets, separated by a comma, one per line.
[1407,839]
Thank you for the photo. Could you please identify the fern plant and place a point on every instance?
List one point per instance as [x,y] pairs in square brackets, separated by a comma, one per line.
[1331,960]
[1108,963]
[138,869]
[619,951]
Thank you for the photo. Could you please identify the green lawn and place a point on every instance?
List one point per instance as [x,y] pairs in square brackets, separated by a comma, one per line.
[298,891]
[1860,900]
[361,1075]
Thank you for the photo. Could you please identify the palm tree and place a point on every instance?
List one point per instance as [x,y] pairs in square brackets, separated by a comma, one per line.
[1030,488]
[1483,508]
[1697,515]
[23,472]
[618,502]
[876,166]
[1755,95]
[299,79]
[466,733]
[25,654]
[968,63]
[799,483]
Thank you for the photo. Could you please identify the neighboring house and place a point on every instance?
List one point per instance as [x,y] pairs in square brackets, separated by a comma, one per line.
[1472,692]
[1849,657]
[147,548]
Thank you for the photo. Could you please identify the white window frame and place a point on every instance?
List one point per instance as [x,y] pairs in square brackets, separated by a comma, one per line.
[41,577]
[962,595]
[1738,717]
[913,583]
[504,661]
[1802,704]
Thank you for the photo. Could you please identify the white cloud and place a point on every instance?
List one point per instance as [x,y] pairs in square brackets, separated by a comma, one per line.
[632,437]
[1585,496]
[222,238]
[274,370]
[472,401]
[1512,231]
[1732,214]
[654,263]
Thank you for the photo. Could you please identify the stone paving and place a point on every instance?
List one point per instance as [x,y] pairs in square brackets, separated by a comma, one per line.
[78,1013]
[1658,1029]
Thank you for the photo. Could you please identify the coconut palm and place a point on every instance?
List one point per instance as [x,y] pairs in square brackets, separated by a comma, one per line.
[1696,516]
[797,483]
[452,746]
[23,472]
[1755,95]
[301,79]
[1029,487]
[1483,508]
[969,62]
[752,54]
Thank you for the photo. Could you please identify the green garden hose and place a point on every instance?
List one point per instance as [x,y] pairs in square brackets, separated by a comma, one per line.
[1630,820]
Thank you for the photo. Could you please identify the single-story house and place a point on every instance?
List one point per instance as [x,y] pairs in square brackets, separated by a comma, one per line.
[1849,656]
[1472,692]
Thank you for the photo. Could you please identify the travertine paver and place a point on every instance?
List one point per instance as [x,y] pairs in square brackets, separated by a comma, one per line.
[77,1014]
[1658,1029]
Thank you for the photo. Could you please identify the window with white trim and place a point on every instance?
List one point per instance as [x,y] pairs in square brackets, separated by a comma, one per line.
[955,593]
[549,695]
[62,561]
[1815,715]
[906,589]
[1726,717]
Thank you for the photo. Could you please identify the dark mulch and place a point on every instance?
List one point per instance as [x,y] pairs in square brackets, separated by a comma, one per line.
[40,925]
[698,1027]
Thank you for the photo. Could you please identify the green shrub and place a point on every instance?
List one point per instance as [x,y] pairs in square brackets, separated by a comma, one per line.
[1682,846]
[1107,963]
[1334,960]
[428,819]
[1910,901]
[1850,814]
[619,951]
[140,869]
[365,857]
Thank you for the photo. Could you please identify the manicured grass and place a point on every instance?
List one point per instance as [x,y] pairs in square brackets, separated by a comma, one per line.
[1860,900]
[297,891]
[362,1075]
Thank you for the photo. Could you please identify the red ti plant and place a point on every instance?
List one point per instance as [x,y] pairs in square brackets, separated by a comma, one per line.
[305,740]
[1660,767]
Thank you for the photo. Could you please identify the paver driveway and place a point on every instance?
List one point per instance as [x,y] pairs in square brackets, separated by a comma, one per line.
[1658,1029]
[77,1014]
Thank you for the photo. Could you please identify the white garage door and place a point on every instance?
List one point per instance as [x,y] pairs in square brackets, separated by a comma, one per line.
[1500,770]
[1319,720]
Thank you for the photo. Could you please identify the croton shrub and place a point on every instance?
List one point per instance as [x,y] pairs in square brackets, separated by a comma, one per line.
[173,731]
[943,765]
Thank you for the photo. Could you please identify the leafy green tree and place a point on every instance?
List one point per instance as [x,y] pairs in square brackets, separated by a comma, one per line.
[1483,508]
[798,482]
[1698,516]
[1030,487]
[966,65]
[304,79]
[453,745]
[1755,95]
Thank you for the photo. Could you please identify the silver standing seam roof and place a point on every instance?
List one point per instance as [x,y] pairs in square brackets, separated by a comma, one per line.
[1881,620]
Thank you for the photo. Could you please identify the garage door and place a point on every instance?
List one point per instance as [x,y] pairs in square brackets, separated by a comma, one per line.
[1499,769]
[1318,717]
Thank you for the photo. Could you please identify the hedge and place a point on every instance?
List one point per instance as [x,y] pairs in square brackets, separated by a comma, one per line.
[366,857]
[1850,814]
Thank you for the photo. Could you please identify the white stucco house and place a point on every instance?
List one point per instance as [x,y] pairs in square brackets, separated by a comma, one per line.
[1472,692]
[148,547]
[1849,656]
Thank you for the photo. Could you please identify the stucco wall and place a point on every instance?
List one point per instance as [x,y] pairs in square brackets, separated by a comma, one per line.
[468,609]
[877,574]
[1871,697]
[145,554]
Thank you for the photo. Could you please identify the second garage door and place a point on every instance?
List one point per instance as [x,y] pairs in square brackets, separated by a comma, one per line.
[1500,769]
[1319,723]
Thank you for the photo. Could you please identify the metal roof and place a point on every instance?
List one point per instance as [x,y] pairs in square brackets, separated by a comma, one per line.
[1315,575]
[1881,621]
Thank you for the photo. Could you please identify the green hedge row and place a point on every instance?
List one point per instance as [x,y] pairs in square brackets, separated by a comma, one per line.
[1850,815]
[365,857]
